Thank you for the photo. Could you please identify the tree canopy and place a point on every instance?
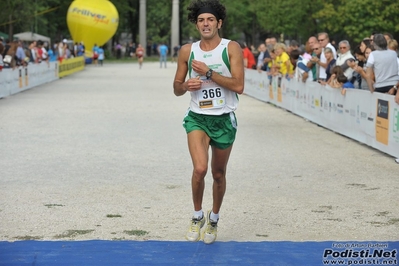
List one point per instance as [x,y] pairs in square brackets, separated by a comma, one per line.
[249,20]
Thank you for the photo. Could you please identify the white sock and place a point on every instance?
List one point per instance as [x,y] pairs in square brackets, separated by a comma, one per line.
[198,214]
[214,217]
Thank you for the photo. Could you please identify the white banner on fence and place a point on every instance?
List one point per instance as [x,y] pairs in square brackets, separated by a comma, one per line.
[370,118]
[22,78]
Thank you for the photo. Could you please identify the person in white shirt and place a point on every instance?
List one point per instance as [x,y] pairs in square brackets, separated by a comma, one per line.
[383,65]
[345,55]
[324,42]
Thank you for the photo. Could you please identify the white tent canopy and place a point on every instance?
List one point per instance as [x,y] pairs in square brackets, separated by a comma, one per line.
[30,36]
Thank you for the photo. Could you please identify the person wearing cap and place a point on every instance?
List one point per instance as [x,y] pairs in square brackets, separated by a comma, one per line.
[215,68]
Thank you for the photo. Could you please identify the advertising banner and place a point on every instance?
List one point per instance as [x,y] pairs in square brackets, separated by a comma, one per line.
[70,66]
[370,118]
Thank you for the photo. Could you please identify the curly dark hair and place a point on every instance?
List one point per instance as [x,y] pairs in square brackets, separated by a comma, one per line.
[197,4]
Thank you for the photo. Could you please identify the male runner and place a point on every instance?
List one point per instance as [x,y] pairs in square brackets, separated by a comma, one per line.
[216,75]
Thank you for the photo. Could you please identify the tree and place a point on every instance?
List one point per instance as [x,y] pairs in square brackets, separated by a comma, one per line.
[357,19]
[159,16]
[17,14]
[288,17]
[240,19]
[251,20]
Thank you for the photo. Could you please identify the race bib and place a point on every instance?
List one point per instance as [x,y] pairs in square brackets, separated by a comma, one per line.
[211,98]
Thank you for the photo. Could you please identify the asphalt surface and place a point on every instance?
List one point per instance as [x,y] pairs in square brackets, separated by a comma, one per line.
[102,154]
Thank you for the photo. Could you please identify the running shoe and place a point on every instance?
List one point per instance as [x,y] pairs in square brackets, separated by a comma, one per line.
[194,231]
[211,230]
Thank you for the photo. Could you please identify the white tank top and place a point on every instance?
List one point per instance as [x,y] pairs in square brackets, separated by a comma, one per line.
[212,99]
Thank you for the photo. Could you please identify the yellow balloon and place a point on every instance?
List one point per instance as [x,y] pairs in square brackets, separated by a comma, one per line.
[92,21]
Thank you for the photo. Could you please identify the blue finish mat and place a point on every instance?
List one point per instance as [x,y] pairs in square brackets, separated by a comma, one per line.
[101,252]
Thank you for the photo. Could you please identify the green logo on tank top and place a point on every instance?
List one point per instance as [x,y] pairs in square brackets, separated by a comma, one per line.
[207,55]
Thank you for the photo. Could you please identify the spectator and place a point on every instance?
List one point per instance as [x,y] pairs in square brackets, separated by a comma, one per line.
[283,64]
[1,56]
[294,45]
[359,62]
[163,53]
[149,49]
[364,44]
[335,72]
[175,53]
[372,37]
[249,58]
[343,58]
[42,51]
[81,49]
[132,49]
[39,51]
[393,45]
[361,68]
[317,50]
[262,52]
[68,52]
[75,49]
[273,41]
[118,51]
[324,41]
[7,46]
[20,54]
[302,72]
[333,43]
[268,43]
[33,52]
[10,56]
[6,59]
[383,64]
[128,49]
[344,82]
[388,36]
[331,62]
[95,54]
[52,56]
[101,55]
[312,41]
[61,51]
[308,51]
[272,70]
[254,51]
[267,57]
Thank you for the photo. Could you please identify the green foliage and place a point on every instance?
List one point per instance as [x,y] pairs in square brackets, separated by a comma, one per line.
[17,13]
[159,16]
[248,19]
[357,19]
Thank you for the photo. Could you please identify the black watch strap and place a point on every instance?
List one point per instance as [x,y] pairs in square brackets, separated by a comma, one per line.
[209,74]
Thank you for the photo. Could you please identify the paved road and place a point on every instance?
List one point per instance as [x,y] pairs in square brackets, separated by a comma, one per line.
[102,154]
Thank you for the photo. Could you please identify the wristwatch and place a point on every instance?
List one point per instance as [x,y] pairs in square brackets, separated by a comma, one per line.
[209,74]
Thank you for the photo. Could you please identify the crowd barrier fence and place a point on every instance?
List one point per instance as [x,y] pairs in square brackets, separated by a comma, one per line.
[370,118]
[16,80]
